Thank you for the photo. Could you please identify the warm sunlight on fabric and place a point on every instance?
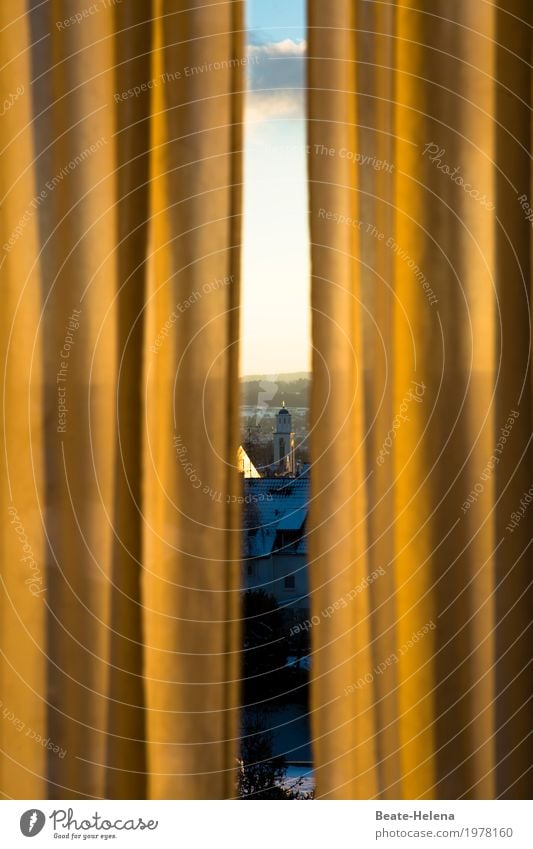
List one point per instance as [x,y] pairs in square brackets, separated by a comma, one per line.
[276,311]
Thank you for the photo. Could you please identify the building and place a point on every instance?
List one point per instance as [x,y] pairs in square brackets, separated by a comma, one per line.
[275,540]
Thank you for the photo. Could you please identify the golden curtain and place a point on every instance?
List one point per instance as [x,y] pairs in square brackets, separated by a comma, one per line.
[121,196]
[420,538]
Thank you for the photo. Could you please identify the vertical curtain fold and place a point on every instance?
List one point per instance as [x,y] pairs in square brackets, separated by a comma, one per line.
[425,156]
[513,602]
[191,541]
[126,705]
[341,731]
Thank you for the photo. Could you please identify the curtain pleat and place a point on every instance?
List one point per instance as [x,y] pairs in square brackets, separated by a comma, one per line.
[419,131]
[338,504]
[120,232]
[126,704]
[191,541]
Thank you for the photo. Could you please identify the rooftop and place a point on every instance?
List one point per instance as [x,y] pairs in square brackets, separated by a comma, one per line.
[276,511]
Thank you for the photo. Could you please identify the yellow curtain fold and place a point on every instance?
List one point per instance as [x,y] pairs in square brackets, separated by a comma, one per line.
[120,202]
[419,159]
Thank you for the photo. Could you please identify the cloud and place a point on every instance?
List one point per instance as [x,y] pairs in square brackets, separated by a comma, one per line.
[276,80]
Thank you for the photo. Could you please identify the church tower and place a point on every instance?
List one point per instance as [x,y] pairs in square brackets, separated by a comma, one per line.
[284,457]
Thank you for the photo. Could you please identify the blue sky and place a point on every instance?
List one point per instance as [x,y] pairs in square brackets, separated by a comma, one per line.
[275,20]
[275,324]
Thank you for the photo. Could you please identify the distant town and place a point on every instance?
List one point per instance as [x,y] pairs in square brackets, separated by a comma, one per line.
[274,462]
[262,396]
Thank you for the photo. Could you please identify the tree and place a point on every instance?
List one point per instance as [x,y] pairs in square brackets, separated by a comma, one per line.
[260,774]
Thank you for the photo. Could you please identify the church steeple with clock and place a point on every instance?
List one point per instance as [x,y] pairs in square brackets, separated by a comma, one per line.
[284,457]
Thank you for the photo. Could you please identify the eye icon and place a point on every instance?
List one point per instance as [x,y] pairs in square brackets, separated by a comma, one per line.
[32,822]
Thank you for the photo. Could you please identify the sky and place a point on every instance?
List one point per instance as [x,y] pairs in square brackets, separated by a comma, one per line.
[275,326]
